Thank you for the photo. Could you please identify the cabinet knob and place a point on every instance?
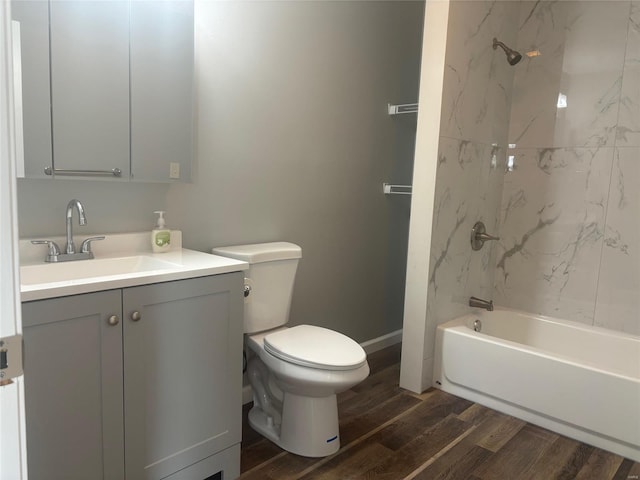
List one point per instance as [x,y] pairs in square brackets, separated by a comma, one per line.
[135,316]
[113,320]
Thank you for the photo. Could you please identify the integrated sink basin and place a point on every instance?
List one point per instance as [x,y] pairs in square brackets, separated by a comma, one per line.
[121,261]
[86,269]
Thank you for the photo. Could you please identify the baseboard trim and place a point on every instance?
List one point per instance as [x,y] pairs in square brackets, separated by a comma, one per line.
[384,341]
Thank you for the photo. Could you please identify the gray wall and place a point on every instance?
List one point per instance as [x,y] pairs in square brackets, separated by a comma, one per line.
[110,207]
[293,143]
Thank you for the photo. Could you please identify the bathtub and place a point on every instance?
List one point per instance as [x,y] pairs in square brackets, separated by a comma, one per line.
[576,380]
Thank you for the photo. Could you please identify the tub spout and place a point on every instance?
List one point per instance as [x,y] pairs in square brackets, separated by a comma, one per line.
[480,303]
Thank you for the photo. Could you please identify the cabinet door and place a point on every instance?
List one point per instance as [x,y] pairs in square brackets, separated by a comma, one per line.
[36,101]
[183,373]
[90,84]
[73,387]
[161,90]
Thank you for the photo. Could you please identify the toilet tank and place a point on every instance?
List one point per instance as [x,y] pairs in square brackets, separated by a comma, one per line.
[271,275]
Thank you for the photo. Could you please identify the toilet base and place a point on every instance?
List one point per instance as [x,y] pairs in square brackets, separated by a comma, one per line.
[309,425]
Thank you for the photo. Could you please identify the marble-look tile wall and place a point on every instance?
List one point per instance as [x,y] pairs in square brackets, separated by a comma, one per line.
[570,217]
[472,150]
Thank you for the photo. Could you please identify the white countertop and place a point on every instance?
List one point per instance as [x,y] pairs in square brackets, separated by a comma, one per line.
[102,272]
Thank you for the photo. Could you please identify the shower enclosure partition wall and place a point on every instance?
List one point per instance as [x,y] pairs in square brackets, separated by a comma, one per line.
[470,153]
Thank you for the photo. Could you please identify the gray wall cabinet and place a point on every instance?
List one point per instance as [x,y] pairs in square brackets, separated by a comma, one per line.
[139,383]
[107,85]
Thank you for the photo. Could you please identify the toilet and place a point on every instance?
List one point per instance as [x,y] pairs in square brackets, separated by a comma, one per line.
[295,372]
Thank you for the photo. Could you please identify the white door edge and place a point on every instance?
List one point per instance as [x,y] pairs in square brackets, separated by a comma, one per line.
[13,450]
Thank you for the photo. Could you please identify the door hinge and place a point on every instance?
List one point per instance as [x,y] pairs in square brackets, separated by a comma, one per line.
[10,359]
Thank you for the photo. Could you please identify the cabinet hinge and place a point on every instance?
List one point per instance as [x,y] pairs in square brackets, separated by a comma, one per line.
[10,359]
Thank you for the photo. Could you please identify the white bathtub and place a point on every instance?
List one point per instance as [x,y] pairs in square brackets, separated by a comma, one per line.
[579,381]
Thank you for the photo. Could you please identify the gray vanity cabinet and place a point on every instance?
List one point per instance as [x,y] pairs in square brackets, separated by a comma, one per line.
[73,387]
[183,373]
[155,395]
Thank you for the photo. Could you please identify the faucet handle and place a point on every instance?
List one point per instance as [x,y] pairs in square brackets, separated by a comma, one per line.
[485,236]
[479,235]
[86,244]
[53,252]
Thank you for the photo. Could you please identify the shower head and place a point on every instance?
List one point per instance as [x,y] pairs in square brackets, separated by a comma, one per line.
[513,57]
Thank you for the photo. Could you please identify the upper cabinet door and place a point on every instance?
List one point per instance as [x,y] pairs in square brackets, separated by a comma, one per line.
[162,63]
[36,100]
[90,84]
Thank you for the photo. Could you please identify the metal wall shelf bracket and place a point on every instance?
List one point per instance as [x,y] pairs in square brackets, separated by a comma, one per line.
[400,109]
[389,189]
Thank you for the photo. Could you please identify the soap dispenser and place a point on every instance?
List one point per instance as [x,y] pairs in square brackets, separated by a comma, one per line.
[160,236]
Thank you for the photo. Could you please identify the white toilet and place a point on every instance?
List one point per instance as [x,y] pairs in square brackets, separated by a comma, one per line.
[296,371]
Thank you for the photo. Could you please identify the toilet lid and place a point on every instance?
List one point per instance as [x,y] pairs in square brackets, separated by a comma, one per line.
[315,347]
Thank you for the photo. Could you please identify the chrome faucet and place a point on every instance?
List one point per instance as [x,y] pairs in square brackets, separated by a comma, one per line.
[480,303]
[70,249]
[70,254]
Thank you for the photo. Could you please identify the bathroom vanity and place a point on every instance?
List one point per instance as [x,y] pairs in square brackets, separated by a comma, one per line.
[138,374]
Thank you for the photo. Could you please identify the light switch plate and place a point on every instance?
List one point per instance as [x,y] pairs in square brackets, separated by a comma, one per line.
[174,170]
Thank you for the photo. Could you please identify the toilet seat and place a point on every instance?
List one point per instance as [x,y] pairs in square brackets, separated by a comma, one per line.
[315,347]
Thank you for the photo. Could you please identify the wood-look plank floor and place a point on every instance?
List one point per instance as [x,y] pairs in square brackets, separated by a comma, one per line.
[389,433]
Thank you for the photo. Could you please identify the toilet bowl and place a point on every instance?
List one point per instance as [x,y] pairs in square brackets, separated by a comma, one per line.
[295,405]
[295,372]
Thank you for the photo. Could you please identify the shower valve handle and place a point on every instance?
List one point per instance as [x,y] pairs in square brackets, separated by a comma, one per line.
[485,236]
[479,235]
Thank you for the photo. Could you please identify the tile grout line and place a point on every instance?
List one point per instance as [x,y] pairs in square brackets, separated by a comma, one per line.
[440,453]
